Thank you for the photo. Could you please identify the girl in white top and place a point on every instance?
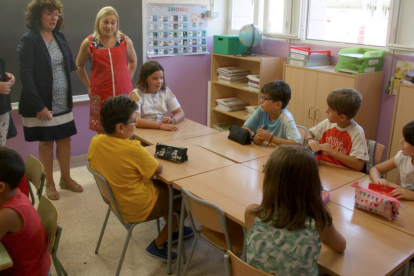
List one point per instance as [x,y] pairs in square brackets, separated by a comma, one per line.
[404,161]
[155,99]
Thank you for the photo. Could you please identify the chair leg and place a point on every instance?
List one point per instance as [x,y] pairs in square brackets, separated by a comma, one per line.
[158,226]
[191,254]
[118,271]
[57,265]
[103,230]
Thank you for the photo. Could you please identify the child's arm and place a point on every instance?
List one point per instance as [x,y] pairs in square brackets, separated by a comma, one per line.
[312,142]
[265,135]
[249,216]
[403,193]
[350,161]
[178,117]
[256,138]
[376,172]
[159,168]
[10,222]
[332,238]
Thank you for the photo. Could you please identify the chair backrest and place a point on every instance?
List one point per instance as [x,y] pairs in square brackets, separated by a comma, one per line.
[236,267]
[375,152]
[35,174]
[207,213]
[106,192]
[50,218]
[303,132]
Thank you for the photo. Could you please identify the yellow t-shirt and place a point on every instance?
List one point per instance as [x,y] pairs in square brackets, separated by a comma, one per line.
[128,167]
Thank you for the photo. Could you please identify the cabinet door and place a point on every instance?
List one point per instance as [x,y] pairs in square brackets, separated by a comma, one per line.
[302,82]
[327,83]
[403,114]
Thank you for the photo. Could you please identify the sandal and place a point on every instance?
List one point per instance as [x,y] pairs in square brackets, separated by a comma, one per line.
[52,195]
[71,185]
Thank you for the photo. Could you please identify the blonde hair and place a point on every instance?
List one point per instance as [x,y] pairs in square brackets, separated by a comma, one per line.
[105,11]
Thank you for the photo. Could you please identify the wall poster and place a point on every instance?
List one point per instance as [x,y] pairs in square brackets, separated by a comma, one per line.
[174,29]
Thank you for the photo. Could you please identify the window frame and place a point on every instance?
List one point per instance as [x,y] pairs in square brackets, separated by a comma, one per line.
[299,15]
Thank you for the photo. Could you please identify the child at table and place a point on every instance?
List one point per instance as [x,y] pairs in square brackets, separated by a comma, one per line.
[339,138]
[130,170]
[403,160]
[285,230]
[272,122]
[155,99]
[21,229]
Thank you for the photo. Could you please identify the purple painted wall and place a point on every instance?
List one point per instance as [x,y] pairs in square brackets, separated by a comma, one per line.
[280,49]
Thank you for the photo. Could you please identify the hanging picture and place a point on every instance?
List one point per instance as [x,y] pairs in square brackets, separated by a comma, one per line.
[176,29]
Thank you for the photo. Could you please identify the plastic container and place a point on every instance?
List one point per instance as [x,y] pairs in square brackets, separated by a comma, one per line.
[228,45]
[361,53]
[307,51]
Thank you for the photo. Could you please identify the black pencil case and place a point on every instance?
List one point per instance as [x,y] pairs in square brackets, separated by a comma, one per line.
[240,135]
[171,153]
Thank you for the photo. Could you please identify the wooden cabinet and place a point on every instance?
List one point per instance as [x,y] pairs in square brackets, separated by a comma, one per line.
[403,114]
[311,86]
[269,68]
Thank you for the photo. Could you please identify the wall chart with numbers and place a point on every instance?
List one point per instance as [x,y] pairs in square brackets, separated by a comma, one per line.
[174,29]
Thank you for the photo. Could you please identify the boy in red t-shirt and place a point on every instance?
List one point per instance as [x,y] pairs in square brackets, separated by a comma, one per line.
[340,139]
[21,229]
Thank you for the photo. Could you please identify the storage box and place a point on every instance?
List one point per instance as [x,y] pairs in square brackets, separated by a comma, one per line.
[228,45]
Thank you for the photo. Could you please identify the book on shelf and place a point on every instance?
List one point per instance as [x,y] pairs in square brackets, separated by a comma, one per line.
[232,80]
[232,70]
[309,63]
[254,77]
[230,104]
[250,110]
[230,109]
[312,57]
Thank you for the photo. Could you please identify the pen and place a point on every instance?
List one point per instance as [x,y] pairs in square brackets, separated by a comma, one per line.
[173,120]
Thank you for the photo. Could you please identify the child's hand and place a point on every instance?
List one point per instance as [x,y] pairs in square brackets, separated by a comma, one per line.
[257,140]
[263,134]
[313,144]
[382,182]
[403,193]
[327,149]
[168,120]
[169,127]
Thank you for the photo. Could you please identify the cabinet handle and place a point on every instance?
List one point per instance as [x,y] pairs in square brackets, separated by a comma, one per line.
[314,114]
[309,111]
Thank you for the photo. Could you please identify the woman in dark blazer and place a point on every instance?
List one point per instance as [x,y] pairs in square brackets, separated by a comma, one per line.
[45,63]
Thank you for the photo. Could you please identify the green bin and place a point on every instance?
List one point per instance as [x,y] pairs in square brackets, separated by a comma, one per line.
[228,45]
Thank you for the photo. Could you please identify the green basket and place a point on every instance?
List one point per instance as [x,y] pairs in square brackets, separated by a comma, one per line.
[228,45]
[361,53]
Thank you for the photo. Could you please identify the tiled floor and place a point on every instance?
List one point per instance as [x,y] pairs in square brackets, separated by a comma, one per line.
[81,217]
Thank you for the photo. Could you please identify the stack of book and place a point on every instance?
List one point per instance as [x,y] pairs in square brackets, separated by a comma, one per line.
[303,56]
[230,104]
[232,74]
[254,80]
[250,110]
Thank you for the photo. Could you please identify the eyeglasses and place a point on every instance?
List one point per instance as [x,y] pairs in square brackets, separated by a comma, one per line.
[129,122]
[263,98]
[50,14]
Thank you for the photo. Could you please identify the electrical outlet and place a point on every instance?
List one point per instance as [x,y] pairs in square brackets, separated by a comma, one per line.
[213,14]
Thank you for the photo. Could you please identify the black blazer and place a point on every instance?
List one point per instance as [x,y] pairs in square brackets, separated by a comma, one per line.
[5,105]
[36,72]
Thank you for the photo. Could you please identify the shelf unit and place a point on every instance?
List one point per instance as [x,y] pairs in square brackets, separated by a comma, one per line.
[269,69]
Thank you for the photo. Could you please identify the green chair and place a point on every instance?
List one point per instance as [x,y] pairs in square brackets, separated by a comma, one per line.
[35,175]
[50,218]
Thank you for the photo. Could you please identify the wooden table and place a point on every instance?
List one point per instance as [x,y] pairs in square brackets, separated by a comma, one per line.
[5,260]
[187,129]
[220,144]
[199,161]
[332,176]
[373,248]
[345,196]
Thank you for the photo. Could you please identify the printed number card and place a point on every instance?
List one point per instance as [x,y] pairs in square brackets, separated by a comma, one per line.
[176,29]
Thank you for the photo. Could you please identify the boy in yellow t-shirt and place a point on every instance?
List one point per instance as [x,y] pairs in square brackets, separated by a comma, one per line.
[128,167]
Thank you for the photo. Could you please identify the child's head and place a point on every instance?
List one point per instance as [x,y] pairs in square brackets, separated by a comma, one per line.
[276,91]
[407,143]
[118,110]
[344,101]
[12,167]
[151,76]
[292,190]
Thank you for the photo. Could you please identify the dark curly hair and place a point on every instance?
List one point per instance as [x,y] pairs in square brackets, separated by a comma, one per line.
[36,8]
[116,110]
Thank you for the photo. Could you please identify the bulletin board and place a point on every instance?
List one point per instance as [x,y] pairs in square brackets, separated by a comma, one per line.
[173,29]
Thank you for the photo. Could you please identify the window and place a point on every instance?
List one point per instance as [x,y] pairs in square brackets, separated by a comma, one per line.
[348,21]
[362,22]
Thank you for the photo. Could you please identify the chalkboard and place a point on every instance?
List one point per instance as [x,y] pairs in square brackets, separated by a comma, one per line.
[79,17]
